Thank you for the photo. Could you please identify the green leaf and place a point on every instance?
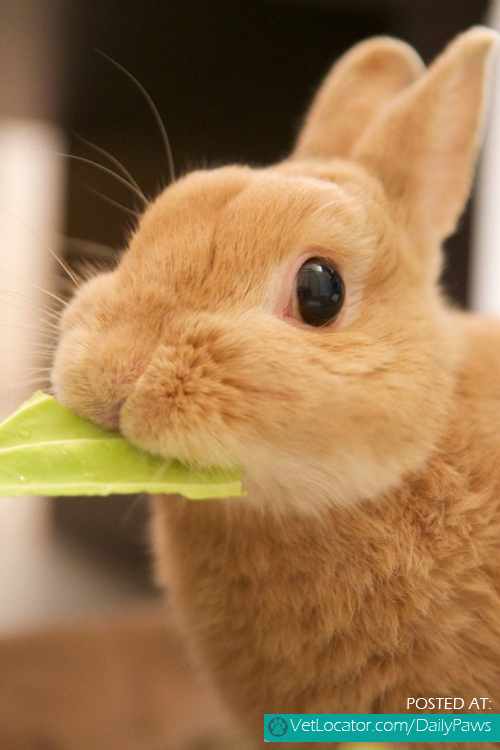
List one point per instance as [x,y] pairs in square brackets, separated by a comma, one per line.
[46,449]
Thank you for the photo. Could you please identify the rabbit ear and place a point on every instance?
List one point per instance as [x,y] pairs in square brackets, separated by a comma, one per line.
[423,146]
[353,93]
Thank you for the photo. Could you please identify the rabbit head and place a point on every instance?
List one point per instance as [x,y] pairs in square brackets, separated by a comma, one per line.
[289,319]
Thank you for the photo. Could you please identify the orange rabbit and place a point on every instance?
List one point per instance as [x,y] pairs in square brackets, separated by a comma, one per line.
[289,320]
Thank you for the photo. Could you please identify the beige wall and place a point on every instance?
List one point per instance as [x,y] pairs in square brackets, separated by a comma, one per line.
[485,272]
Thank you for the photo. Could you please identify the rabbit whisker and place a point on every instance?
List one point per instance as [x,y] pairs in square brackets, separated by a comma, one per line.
[59,260]
[106,198]
[96,248]
[36,313]
[114,161]
[154,110]
[104,169]
[35,286]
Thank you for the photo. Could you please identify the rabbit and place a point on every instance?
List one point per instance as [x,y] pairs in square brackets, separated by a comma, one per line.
[289,320]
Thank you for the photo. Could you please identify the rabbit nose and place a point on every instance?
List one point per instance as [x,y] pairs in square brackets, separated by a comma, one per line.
[109,416]
[108,392]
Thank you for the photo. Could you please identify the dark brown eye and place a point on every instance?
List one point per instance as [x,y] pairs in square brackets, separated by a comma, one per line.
[320,292]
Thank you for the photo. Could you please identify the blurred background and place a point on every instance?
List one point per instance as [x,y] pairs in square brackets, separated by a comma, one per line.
[231,79]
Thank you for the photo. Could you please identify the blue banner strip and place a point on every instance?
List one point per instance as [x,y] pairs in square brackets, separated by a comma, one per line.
[382,727]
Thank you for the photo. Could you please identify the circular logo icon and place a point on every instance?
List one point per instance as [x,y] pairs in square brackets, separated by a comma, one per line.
[278,726]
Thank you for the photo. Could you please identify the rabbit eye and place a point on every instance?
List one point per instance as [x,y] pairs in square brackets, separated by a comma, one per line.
[320,292]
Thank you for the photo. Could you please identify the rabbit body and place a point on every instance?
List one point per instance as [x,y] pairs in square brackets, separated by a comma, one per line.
[363,567]
[359,609]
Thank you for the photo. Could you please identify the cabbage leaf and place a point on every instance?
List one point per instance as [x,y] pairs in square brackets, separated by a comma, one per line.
[46,449]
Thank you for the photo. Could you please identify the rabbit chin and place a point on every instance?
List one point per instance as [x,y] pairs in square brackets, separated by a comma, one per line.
[278,479]
[281,481]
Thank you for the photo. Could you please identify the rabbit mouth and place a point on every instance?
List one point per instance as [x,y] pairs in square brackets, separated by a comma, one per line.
[180,425]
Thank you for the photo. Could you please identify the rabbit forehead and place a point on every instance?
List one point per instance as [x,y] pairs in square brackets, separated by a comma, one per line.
[226,231]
